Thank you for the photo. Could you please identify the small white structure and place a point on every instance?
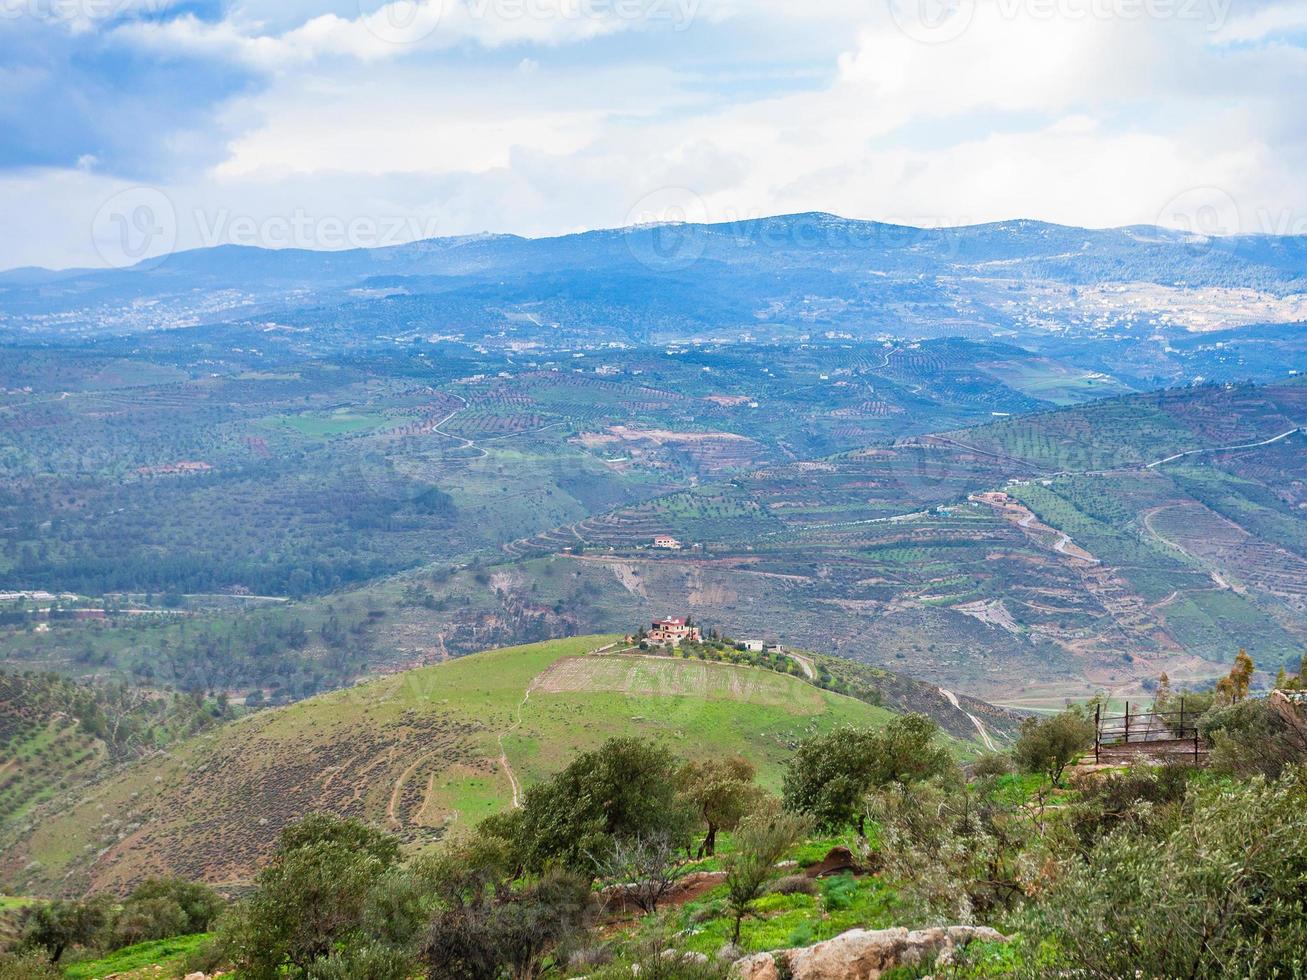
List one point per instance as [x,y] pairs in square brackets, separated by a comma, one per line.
[666,542]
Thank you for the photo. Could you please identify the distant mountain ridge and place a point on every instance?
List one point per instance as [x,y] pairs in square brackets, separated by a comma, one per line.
[786,274]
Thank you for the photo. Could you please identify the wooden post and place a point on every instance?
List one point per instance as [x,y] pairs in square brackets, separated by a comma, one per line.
[1180,733]
[1127,723]
[1098,731]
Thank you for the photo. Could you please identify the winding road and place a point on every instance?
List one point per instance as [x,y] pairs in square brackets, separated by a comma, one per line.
[1224,449]
[467,443]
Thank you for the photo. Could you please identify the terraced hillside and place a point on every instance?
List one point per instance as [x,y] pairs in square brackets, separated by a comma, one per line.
[43,748]
[418,752]
[1087,548]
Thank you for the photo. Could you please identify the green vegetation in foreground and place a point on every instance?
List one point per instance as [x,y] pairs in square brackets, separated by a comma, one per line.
[171,954]
[1142,870]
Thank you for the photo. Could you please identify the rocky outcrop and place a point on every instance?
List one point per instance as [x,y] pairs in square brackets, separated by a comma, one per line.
[861,954]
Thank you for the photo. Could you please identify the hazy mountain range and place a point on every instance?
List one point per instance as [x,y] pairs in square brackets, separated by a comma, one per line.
[788,276]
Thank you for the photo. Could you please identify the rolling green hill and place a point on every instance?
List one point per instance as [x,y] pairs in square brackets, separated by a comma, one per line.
[417,752]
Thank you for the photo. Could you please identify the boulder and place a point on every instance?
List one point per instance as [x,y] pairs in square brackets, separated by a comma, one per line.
[861,954]
[837,860]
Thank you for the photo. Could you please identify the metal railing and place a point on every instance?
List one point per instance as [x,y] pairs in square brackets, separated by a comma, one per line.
[1148,726]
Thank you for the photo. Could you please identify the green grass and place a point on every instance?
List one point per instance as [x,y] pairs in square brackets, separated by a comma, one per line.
[842,902]
[319,425]
[164,952]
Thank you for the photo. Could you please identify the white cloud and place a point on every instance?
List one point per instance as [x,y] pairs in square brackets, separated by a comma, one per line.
[539,125]
[408,27]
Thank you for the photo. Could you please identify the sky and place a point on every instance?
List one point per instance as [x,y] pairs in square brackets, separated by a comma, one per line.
[131,128]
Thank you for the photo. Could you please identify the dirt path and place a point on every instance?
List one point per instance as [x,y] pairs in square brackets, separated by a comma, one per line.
[805,663]
[980,726]
[503,754]
[398,788]
[517,723]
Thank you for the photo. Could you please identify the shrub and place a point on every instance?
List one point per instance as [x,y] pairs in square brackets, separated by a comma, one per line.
[793,885]
[160,908]
[1108,801]
[1219,895]
[829,775]
[28,965]
[954,854]
[1251,738]
[991,765]
[56,926]
[761,840]
[486,931]
[311,899]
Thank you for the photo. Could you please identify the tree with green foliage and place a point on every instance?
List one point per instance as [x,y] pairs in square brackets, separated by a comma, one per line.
[1049,745]
[721,792]
[624,789]
[1285,681]
[57,926]
[158,908]
[311,899]
[761,840]
[829,776]
[486,928]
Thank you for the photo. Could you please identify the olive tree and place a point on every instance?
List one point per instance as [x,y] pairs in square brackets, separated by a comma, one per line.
[1049,745]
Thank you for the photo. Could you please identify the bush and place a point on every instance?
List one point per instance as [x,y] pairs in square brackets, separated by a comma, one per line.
[160,908]
[793,885]
[991,765]
[955,855]
[1106,802]
[488,930]
[57,926]
[1220,895]
[1049,745]
[761,840]
[1252,738]
[29,965]
[311,900]
[830,775]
